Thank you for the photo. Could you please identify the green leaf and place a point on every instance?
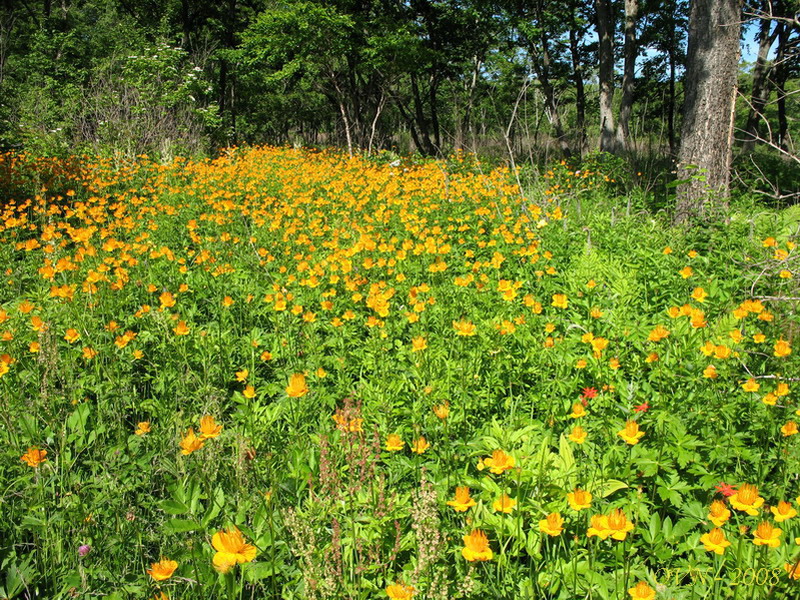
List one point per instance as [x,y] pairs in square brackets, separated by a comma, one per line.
[173,507]
[180,526]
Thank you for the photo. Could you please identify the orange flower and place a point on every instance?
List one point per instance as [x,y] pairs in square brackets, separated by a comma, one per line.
[209,427]
[418,344]
[598,526]
[420,445]
[249,392]
[578,435]
[618,524]
[162,570]
[498,463]
[167,300]
[34,457]
[191,442]
[231,549]
[747,499]
[442,411]
[767,535]
[242,375]
[399,591]
[718,513]
[297,386]
[630,433]
[560,301]
[462,500]
[579,499]
[790,428]
[72,335]
[782,348]
[504,504]
[714,541]
[642,591]
[476,546]
[142,428]
[658,334]
[578,410]
[793,571]
[464,328]
[394,443]
[783,511]
[553,525]
[181,328]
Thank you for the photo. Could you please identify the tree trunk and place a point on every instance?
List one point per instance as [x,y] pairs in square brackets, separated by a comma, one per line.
[605,34]
[629,74]
[673,146]
[760,94]
[580,94]
[781,77]
[706,138]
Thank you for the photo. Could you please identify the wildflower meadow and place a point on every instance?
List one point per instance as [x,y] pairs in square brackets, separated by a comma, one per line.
[296,374]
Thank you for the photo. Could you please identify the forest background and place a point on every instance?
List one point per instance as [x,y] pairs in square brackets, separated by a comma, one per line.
[521,82]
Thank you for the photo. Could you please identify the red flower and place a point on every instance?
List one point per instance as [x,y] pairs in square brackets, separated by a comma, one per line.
[589,392]
[725,489]
[642,407]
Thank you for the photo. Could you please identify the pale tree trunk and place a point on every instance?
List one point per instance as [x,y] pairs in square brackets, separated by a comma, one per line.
[605,34]
[626,104]
[710,94]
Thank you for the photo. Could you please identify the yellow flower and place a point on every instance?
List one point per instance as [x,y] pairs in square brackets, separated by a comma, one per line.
[191,442]
[630,433]
[658,334]
[167,300]
[399,591]
[579,499]
[782,389]
[686,272]
[418,344]
[227,302]
[249,392]
[162,570]
[782,348]
[181,328]
[209,427]
[72,335]
[577,435]
[462,500]
[767,535]
[642,591]
[714,541]
[578,410]
[560,301]
[504,504]
[553,525]
[231,549]
[790,428]
[598,526]
[242,375]
[34,347]
[394,443]
[710,372]
[476,546]
[34,457]
[770,399]
[464,328]
[718,513]
[498,463]
[746,499]
[699,294]
[783,511]
[618,524]
[420,445]
[142,428]
[442,411]
[297,386]
[751,385]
